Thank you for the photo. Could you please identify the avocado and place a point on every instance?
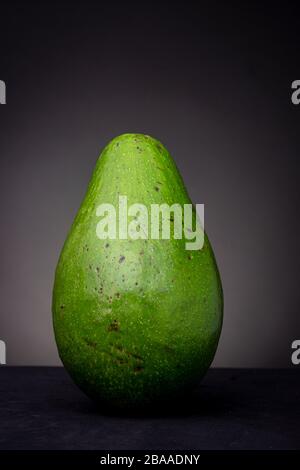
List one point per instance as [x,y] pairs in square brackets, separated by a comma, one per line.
[136,319]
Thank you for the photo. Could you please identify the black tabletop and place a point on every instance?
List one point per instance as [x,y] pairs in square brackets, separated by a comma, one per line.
[41,408]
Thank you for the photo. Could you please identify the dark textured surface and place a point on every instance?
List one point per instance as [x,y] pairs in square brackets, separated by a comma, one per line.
[232,409]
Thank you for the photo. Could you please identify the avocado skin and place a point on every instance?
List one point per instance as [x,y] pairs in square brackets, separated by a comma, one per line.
[136,322]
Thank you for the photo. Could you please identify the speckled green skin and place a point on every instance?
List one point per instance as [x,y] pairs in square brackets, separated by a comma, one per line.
[135,321]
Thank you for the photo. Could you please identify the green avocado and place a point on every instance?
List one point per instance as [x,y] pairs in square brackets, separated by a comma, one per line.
[137,320]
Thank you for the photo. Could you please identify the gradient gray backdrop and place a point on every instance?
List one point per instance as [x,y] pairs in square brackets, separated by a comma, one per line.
[213,84]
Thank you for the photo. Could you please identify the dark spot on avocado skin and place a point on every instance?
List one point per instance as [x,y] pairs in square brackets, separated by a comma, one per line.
[90,343]
[122,258]
[62,306]
[138,369]
[106,245]
[114,326]
[156,188]
[138,358]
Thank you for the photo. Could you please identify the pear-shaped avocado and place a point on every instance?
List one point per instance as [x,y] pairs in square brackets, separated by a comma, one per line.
[137,318]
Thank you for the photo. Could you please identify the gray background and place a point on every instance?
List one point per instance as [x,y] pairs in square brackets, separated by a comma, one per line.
[213,84]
